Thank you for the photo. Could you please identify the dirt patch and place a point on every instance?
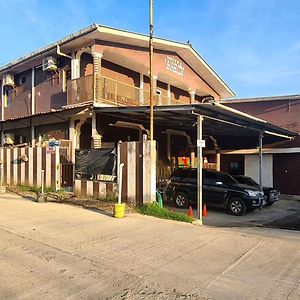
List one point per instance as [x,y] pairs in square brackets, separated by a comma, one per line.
[104,205]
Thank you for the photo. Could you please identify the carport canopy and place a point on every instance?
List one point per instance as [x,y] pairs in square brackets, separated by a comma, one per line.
[217,119]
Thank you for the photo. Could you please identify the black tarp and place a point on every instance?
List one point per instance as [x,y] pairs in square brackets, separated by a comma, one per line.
[96,164]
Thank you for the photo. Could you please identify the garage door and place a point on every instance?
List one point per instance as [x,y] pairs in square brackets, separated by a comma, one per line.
[286,173]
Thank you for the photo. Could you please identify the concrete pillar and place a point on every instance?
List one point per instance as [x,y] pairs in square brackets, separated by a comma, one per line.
[33,91]
[95,135]
[169,94]
[72,138]
[75,66]
[192,96]
[141,89]
[199,167]
[97,73]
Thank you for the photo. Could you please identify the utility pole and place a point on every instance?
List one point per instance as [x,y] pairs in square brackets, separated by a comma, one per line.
[151,68]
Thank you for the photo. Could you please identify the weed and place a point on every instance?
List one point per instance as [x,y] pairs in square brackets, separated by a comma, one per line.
[154,210]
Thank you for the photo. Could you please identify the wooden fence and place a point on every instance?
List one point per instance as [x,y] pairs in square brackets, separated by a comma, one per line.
[137,184]
[22,166]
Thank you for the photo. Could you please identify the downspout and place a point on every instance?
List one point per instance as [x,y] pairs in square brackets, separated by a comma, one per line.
[58,52]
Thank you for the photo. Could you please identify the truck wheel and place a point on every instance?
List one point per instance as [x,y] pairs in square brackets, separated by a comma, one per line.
[236,206]
[181,200]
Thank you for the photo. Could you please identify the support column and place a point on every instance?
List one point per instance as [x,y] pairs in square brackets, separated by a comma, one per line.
[2,100]
[33,91]
[75,67]
[218,160]
[32,134]
[169,146]
[260,158]
[199,168]
[192,96]
[141,89]
[72,138]
[169,94]
[95,135]
[97,73]
[1,136]
[193,165]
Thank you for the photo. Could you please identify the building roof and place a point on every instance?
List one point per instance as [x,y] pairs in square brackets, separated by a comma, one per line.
[99,32]
[218,119]
[261,99]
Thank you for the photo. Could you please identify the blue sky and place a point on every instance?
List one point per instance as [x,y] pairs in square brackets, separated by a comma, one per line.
[253,45]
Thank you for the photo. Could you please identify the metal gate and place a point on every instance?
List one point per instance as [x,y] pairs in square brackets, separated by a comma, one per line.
[67,174]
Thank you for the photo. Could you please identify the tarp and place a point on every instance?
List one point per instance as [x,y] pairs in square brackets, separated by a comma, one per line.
[96,164]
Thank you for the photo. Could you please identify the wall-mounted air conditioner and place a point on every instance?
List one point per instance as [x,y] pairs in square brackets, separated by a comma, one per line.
[8,138]
[8,80]
[49,64]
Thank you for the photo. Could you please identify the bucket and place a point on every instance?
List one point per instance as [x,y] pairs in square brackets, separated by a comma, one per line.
[119,210]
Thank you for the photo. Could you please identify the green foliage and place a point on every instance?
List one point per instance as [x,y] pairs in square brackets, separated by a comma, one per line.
[154,210]
[34,189]
[108,198]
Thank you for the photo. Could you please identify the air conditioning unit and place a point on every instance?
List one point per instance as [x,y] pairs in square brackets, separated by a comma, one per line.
[8,138]
[8,80]
[49,64]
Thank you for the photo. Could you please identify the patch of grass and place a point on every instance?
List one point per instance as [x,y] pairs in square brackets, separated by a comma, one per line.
[34,189]
[154,210]
[108,198]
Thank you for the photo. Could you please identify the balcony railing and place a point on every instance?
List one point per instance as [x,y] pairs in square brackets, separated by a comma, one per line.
[113,92]
[80,90]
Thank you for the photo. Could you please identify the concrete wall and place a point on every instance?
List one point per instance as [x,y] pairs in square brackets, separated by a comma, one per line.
[252,168]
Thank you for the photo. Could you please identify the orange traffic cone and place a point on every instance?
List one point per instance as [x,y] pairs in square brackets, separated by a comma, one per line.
[190,212]
[204,211]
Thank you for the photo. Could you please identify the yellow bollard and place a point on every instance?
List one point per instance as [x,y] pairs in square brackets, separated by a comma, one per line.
[119,210]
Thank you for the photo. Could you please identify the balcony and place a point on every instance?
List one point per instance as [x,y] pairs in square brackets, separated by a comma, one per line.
[115,93]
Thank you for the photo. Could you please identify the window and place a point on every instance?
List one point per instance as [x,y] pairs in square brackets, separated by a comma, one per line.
[8,96]
[210,178]
[22,80]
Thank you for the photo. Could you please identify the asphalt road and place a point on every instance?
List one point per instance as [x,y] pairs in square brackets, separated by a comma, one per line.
[284,214]
[55,251]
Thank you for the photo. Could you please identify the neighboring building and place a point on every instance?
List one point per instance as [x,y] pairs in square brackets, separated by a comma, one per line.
[281,160]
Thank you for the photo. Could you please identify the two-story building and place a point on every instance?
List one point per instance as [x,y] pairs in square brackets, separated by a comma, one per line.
[60,92]
[46,94]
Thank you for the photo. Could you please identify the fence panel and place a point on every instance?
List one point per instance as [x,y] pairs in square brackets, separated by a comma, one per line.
[24,166]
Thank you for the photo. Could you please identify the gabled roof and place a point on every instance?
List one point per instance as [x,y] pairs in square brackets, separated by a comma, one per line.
[99,32]
[262,99]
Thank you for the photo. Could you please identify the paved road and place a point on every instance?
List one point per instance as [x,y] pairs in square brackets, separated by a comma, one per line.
[284,214]
[55,251]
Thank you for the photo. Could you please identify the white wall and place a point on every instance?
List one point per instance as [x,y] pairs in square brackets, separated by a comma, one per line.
[252,168]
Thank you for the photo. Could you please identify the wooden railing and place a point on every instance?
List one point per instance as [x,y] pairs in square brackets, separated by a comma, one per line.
[113,92]
[80,90]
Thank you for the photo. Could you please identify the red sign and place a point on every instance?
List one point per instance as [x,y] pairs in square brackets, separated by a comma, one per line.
[50,150]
